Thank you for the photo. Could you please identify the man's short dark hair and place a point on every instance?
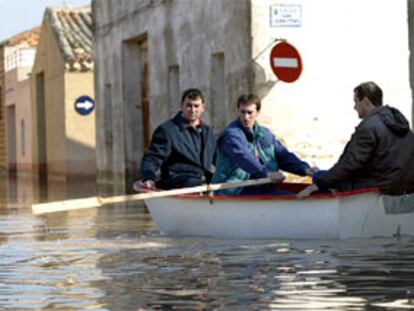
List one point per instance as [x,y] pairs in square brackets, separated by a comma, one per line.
[371,91]
[249,98]
[192,94]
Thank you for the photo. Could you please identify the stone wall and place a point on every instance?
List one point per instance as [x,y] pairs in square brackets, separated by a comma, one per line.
[3,149]
[203,44]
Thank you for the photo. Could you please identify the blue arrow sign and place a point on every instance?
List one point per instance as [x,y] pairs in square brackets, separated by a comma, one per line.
[84,105]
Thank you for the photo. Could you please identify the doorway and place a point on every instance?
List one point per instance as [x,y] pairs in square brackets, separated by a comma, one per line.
[11,139]
[41,136]
[136,95]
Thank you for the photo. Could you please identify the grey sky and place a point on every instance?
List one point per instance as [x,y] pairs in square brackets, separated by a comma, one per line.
[19,15]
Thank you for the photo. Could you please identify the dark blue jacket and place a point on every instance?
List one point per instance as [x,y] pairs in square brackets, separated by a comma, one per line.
[179,155]
[242,155]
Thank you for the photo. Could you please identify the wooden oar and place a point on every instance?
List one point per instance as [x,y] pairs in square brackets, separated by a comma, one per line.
[51,207]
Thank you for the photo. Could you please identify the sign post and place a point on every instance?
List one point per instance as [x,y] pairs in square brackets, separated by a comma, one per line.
[285,62]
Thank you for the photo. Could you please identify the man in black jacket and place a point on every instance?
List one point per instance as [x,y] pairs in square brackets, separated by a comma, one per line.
[181,151]
[380,153]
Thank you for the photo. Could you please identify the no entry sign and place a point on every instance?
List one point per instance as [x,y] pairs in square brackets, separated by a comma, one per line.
[285,62]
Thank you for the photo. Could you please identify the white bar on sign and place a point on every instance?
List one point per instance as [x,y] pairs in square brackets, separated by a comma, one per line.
[285,62]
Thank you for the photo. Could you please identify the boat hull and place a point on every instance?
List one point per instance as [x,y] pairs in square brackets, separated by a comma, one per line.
[354,215]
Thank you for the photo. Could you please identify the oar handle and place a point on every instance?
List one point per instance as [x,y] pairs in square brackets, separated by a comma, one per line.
[189,190]
[66,205]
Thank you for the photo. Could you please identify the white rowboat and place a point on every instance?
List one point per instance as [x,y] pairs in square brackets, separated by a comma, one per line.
[357,214]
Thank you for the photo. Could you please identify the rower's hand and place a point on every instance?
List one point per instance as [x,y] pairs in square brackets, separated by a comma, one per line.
[276,177]
[309,171]
[307,191]
[144,186]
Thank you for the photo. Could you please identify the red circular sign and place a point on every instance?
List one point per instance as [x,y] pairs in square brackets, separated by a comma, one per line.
[286,62]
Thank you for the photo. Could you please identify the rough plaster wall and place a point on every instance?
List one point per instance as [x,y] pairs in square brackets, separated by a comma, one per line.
[3,150]
[55,114]
[191,40]
[24,112]
[49,60]
[107,44]
[184,33]
[342,43]
[38,67]
[18,95]
[10,101]
[79,130]
[10,87]
[102,78]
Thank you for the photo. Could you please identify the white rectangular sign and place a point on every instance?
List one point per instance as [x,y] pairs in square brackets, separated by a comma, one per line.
[285,62]
[285,15]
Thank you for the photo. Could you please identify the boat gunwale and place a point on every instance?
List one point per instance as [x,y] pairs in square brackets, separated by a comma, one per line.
[264,197]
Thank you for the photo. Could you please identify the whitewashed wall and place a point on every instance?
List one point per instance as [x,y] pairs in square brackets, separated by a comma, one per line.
[342,43]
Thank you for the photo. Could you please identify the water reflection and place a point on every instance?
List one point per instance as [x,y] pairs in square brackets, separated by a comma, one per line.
[112,258]
[257,275]
[22,191]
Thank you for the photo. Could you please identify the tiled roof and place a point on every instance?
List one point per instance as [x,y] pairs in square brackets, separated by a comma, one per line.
[30,37]
[73,31]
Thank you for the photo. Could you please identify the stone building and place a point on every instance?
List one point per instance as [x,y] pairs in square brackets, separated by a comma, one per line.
[147,52]
[62,76]
[16,59]
[16,62]
[3,150]
[19,57]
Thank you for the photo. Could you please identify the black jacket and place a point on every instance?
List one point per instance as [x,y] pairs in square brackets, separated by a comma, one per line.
[380,154]
[179,155]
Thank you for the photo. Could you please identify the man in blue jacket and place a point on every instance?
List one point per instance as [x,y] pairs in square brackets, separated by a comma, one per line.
[181,151]
[247,150]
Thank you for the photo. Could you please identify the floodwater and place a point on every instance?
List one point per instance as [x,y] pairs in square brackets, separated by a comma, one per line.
[113,258]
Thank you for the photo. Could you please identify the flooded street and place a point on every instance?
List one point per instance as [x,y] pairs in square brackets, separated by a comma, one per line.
[113,258]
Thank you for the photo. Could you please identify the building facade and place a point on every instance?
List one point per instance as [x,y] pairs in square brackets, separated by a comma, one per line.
[17,100]
[3,149]
[17,60]
[64,138]
[148,52]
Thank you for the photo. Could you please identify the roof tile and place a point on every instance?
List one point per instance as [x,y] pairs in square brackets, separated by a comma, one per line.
[30,37]
[73,31]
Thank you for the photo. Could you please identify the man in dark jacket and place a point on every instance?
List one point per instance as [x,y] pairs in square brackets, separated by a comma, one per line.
[380,153]
[181,151]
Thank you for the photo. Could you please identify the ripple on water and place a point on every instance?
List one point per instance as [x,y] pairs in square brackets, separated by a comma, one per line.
[113,259]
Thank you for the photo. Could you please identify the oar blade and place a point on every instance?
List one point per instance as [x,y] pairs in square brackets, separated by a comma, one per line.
[51,207]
